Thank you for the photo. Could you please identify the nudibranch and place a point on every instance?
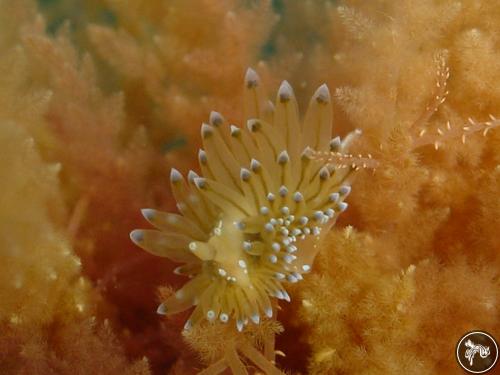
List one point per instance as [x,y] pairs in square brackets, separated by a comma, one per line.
[251,223]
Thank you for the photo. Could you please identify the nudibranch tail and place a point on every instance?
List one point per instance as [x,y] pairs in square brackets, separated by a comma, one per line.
[251,223]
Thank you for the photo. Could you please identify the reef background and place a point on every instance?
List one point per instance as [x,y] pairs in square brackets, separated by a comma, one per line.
[98,99]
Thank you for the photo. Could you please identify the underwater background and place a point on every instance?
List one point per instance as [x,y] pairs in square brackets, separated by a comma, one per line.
[100,99]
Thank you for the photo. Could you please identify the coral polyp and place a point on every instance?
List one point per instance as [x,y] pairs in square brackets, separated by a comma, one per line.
[252,223]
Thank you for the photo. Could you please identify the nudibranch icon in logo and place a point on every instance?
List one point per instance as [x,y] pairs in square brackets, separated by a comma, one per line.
[477,352]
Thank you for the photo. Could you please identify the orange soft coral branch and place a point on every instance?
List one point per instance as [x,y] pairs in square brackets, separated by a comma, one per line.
[233,362]
[224,348]
[181,43]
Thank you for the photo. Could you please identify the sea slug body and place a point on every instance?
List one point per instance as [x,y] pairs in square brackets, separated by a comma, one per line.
[251,223]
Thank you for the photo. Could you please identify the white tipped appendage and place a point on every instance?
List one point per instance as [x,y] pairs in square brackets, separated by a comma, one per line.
[137,236]
[322,94]
[285,92]
[216,119]
[206,131]
[175,175]
[283,157]
[202,157]
[148,213]
[254,165]
[161,310]
[245,174]
[251,78]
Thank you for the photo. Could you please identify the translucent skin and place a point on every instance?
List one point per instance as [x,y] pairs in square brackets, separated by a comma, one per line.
[252,223]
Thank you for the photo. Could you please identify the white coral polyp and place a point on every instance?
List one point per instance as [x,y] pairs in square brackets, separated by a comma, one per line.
[252,223]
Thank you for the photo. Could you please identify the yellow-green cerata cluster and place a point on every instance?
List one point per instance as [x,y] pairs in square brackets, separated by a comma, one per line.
[251,222]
